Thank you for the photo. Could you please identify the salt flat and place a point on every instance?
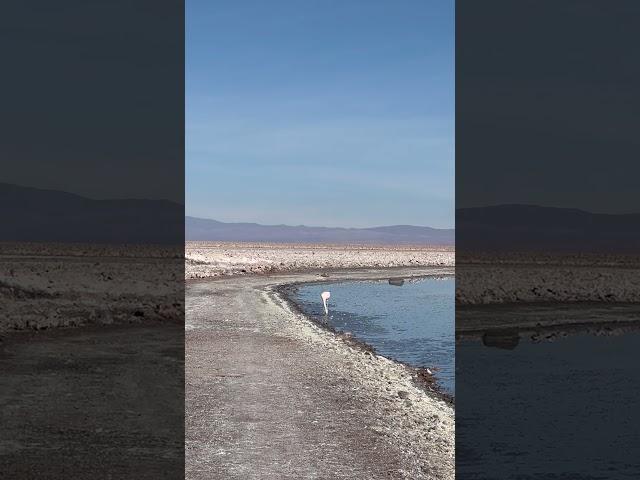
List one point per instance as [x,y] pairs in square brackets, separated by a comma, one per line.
[214,259]
[60,285]
[486,279]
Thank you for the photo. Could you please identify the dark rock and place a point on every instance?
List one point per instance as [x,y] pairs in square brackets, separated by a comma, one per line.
[504,339]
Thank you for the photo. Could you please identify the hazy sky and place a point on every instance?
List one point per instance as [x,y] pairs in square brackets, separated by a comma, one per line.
[320,112]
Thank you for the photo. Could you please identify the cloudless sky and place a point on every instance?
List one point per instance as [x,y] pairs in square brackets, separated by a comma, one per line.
[331,113]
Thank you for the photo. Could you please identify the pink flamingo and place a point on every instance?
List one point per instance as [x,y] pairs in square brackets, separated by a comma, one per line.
[325,296]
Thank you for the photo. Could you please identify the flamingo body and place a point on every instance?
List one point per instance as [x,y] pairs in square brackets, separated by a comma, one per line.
[325,296]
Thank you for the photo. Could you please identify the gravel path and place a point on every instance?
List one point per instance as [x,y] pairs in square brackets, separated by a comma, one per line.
[269,395]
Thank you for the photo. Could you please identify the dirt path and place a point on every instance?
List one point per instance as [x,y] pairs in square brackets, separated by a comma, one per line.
[269,395]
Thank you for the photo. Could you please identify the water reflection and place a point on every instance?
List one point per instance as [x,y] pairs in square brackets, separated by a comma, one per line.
[555,402]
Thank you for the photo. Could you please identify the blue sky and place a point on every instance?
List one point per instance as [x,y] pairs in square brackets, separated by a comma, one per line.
[332,113]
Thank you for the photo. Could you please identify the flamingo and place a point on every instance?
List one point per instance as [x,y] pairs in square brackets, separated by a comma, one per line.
[325,296]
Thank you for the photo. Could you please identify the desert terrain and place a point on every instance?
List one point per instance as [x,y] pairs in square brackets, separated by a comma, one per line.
[214,259]
[546,296]
[60,285]
[269,394]
[92,355]
[486,279]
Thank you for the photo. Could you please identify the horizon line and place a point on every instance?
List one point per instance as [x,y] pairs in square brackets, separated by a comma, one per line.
[319,226]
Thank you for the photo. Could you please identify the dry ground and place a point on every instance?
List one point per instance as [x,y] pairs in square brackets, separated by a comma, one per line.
[547,278]
[48,285]
[269,395]
[103,400]
[214,259]
[94,403]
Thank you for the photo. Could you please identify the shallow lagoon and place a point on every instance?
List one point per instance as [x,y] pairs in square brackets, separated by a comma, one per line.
[412,323]
[567,407]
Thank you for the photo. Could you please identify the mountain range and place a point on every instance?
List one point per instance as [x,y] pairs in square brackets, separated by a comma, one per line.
[32,214]
[39,215]
[537,228]
[212,230]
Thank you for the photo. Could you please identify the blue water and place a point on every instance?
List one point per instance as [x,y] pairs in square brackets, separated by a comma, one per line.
[567,409]
[413,323]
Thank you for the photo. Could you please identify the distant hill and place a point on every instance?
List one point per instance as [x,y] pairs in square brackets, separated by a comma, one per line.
[37,215]
[530,227]
[212,230]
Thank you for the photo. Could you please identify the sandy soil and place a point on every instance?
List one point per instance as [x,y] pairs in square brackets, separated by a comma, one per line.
[271,395]
[211,259]
[49,285]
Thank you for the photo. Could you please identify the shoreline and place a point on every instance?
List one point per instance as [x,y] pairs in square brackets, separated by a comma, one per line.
[549,321]
[351,402]
[325,273]
[425,380]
